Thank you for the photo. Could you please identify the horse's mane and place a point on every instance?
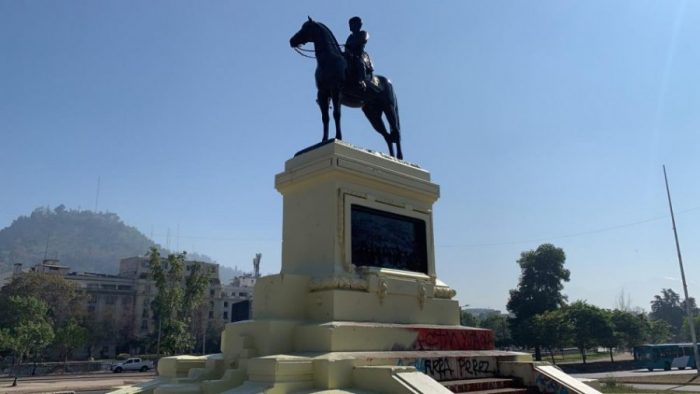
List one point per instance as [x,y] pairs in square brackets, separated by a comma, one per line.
[330,34]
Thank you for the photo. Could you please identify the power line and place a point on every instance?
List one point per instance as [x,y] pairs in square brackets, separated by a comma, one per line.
[564,236]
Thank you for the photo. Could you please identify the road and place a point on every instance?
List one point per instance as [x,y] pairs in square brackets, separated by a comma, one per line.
[83,383]
[642,373]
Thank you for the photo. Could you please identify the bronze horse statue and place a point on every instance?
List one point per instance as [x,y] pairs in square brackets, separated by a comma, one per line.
[331,77]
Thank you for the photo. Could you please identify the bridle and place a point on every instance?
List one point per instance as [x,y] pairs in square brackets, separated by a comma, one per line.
[301,50]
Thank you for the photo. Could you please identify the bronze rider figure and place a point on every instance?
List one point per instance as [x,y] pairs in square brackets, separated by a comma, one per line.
[359,63]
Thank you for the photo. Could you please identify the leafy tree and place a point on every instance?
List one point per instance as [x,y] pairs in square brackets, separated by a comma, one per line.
[629,328]
[62,298]
[554,330]
[606,335]
[6,340]
[30,332]
[31,337]
[68,337]
[659,331]
[467,319]
[176,299]
[686,327]
[668,307]
[499,325]
[539,291]
[590,326]
[98,332]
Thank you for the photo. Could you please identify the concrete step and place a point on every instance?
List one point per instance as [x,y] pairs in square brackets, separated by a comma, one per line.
[472,385]
[502,391]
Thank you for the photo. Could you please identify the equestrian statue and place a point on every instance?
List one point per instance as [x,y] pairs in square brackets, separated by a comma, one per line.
[346,77]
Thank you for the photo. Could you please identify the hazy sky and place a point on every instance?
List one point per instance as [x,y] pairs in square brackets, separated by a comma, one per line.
[542,121]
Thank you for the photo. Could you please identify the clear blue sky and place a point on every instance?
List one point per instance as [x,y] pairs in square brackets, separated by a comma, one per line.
[542,121]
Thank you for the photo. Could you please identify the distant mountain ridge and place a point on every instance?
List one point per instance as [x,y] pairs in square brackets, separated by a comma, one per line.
[82,240]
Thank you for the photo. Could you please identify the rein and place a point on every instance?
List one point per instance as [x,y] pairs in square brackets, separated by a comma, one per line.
[301,51]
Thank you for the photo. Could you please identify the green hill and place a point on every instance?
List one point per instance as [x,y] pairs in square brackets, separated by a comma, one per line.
[83,240]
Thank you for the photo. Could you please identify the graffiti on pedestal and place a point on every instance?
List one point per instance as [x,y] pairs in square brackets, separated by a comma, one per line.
[452,339]
[548,385]
[450,368]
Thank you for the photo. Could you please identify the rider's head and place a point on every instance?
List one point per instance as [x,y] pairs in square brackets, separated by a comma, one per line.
[355,24]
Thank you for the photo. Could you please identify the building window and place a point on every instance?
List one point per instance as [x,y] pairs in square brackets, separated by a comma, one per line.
[225,315]
[211,314]
[243,294]
[110,300]
[211,292]
[225,304]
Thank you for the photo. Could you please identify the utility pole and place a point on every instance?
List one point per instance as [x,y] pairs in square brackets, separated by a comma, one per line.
[688,311]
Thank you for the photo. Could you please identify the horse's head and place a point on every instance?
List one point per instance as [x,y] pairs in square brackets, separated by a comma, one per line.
[304,35]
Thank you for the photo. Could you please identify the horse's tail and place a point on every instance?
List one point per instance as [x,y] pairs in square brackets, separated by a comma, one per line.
[397,137]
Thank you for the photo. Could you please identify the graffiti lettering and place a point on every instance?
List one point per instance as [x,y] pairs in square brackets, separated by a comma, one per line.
[450,368]
[549,386]
[473,366]
[439,368]
[453,339]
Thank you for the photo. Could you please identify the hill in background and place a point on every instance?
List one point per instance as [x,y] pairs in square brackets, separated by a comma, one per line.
[85,241]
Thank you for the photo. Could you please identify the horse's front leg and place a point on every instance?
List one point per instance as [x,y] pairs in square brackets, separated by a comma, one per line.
[322,100]
[335,97]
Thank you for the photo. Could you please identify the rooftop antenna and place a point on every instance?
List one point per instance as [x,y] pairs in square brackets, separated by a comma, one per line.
[97,194]
[688,310]
[167,240]
[256,264]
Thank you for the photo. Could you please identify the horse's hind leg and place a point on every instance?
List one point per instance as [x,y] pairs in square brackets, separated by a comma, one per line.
[391,114]
[322,100]
[374,115]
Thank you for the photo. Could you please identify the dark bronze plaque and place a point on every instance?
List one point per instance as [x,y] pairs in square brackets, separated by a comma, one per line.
[387,240]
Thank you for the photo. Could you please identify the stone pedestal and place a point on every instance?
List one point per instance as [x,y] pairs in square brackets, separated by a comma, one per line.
[357,306]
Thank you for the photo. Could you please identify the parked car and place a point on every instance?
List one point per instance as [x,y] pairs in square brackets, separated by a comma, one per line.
[132,364]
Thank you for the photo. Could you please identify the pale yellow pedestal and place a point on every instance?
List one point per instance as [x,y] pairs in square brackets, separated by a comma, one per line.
[325,325]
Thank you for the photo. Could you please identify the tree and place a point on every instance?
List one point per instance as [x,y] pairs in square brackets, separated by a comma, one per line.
[6,340]
[659,331]
[629,328]
[590,326]
[30,332]
[623,302]
[499,325]
[68,337]
[62,298]
[98,333]
[554,330]
[539,291]
[176,299]
[668,307]
[606,335]
[467,319]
